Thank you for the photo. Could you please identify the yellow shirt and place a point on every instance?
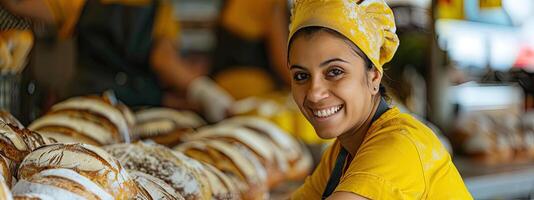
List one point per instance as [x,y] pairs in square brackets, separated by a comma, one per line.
[250,19]
[67,13]
[399,158]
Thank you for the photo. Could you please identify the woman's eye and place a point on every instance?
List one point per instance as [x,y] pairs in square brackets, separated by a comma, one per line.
[299,76]
[334,72]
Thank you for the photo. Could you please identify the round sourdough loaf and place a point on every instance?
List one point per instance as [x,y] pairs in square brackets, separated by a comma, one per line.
[89,161]
[62,184]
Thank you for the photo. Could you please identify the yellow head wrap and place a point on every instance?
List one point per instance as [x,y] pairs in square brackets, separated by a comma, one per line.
[369,24]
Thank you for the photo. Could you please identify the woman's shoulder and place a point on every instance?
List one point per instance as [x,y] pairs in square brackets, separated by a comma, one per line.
[409,134]
[398,123]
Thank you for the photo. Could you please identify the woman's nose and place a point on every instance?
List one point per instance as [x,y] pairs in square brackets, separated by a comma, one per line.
[317,91]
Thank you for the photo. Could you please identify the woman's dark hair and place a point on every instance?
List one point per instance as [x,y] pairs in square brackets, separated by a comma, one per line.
[309,31]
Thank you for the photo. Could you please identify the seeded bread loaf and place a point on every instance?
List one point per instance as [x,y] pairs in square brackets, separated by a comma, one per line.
[184,174]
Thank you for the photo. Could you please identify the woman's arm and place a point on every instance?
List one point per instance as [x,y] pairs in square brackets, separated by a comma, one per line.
[35,9]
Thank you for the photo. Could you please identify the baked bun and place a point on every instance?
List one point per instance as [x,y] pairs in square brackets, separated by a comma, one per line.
[7,118]
[236,160]
[165,125]
[154,188]
[62,184]
[88,119]
[184,174]
[87,160]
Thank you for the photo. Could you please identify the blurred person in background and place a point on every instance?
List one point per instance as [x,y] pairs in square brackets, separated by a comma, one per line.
[129,46]
[337,50]
[250,54]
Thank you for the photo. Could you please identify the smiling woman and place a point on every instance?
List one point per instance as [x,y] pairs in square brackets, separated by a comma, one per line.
[335,54]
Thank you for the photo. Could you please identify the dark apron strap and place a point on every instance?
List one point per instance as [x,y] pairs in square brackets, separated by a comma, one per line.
[337,172]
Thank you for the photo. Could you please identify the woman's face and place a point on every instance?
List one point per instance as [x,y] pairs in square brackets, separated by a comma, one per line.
[330,83]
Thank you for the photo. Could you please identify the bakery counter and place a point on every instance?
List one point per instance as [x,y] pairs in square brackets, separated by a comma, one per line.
[500,181]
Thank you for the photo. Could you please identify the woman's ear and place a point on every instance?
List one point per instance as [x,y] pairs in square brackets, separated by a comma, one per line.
[374,77]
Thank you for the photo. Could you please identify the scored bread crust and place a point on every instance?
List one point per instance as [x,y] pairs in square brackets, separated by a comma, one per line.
[6,170]
[5,193]
[271,157]
[155,188]
[79,126]
[231,158]
[99,107]
[182,173]
[62,180]
[66,135]
[87,160]
[289,145]
[254,141]
[161,122]
[16,143]
[7,118]
[298,155]
[222,186]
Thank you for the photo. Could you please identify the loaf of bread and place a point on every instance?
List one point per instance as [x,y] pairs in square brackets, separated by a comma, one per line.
[33,196]
[16,143]
[88,119]
[165,125]
[7,118]
[298,156]
[154,188]
[62,184]
[6,170]
[184,174]
[5,193]
[88,161]
[271,157]
[241,164]
[69,128]
[222,187]
[476,135]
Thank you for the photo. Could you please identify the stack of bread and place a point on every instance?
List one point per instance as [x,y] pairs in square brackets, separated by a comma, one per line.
[251,149]
[164,125]
[495,139]
[92,120]
[238,158]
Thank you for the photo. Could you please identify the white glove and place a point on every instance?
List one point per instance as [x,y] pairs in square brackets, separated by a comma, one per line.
[214,100]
